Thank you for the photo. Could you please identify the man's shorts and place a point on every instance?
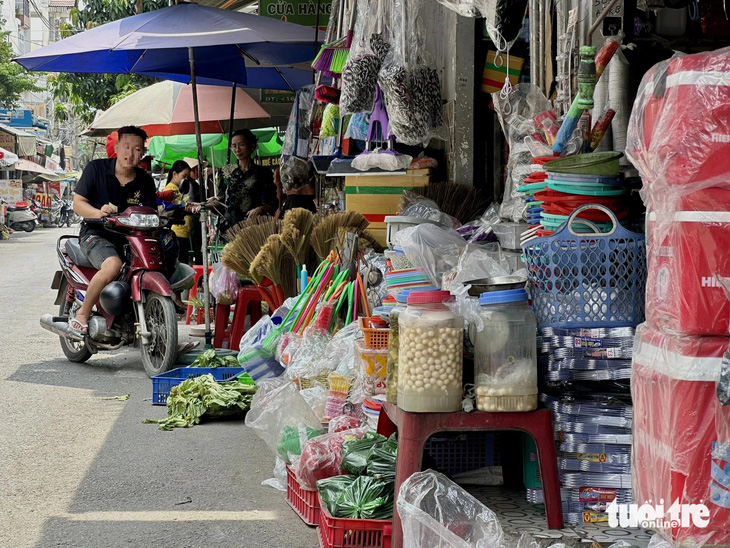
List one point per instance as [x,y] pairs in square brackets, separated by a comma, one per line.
[97,249]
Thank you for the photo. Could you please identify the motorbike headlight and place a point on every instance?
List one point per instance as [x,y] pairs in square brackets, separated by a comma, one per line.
[140,220]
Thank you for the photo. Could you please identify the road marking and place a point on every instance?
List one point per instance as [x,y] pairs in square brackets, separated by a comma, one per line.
[182,515]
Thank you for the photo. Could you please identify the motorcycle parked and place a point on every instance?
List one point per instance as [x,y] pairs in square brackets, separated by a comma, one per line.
[63,214]
[20,217]
[135,309]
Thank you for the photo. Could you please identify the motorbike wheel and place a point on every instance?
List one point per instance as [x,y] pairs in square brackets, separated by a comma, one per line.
[75,351]
[26,226]
[161,353]
[68,221]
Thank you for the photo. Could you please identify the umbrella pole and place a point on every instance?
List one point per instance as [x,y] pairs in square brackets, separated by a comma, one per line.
[204,213]
[230,121]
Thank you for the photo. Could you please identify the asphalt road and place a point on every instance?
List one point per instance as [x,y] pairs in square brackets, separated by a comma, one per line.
[80,471]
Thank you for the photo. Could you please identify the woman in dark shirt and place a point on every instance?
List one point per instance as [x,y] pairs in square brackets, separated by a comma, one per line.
[246,188]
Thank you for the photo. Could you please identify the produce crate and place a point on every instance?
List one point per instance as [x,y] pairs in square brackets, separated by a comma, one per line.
[463,452]
[303,501]
[163,383]
[375,337]
[352,533]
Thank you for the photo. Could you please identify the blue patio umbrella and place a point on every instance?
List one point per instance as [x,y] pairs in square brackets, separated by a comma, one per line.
[183,43]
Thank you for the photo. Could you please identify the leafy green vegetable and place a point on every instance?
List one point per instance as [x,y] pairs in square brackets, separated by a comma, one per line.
[381,460]
[124,397]
[366,498]
[355,453]
[203,395]
[330,489]
[209,358]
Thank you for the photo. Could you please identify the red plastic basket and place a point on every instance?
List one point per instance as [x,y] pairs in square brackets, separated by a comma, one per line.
[353,533]
[303,501]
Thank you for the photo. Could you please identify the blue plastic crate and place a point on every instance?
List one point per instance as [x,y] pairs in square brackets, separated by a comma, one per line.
[163,383]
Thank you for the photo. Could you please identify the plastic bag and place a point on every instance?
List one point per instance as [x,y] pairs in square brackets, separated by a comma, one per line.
[340,353]
[330,121]
[381,461]
[355,453]
[411,88]
[421,207]
[292,439]
[321,457]
[434,511]
[287,347]
[277,404]
[359,126]
[307,361]
[387,159]
[366,498]
[295,172]
[467,8]
[431,248]
[504,21]
[279,480]
[225,286]
[342,423]
[482,229]
[516,112]
[316,398]
[298,132]
[369,48]
[255,356]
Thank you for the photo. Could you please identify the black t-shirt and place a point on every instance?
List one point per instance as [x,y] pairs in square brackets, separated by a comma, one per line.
[100,186]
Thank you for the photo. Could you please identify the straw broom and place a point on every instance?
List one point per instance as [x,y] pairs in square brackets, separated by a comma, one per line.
[324,235]
[464,202]
[296,230]
[267,264]
[366,240]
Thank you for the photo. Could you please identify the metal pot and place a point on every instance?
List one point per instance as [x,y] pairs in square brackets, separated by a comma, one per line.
[501,283]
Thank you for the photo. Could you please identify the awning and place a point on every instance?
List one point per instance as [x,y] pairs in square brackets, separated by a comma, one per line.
[26,142]
[26,165]
[40,177]
[7,158]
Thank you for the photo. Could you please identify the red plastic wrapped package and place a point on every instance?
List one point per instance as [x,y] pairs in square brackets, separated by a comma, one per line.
[681,449]
[687,250]
[322,455]
[342,423]
[679,132]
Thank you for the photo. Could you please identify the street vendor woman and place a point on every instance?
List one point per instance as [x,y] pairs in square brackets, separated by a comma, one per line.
[246,188]
[107,186]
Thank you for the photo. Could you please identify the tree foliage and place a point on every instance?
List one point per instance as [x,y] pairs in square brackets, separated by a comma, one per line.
[14,79]
[81,95]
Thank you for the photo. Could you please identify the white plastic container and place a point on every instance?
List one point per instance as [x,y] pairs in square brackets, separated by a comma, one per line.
[398,222]
[430,356]
[505,353]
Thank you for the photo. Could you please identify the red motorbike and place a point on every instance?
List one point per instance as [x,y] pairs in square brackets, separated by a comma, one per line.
[135,309]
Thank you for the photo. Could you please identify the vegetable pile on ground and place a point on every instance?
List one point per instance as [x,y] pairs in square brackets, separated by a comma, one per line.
[210,359]
[203,396]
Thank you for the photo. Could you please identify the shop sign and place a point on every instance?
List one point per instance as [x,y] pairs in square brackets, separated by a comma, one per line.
[11,191]
[301,12]
[46,200]
[269,161]
[277,96]
[7,141]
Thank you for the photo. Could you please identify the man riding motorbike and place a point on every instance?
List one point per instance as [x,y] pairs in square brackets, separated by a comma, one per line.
[108,186]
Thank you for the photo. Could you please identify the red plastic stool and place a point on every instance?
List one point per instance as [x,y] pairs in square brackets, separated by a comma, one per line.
[415,428]
[248,302]
[194,292]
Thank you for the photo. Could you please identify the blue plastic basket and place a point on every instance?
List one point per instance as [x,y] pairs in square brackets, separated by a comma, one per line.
[587,280]
[163,383]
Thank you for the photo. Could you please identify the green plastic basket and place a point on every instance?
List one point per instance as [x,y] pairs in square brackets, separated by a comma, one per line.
[594,163]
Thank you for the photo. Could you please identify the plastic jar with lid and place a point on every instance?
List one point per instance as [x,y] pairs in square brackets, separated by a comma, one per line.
[430,354]
[505,353]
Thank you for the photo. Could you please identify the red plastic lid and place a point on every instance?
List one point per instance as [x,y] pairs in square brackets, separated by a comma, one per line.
[428,297]
[543,159]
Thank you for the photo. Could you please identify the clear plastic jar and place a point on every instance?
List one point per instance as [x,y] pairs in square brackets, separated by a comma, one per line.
[430,355]
[391,383]
[505,353]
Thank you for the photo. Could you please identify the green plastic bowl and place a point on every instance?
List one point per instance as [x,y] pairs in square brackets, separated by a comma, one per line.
[594,163]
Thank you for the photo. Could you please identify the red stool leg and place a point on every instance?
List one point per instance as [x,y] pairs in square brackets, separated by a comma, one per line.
[541,429]
[222,333]
[193,292]
[239,322]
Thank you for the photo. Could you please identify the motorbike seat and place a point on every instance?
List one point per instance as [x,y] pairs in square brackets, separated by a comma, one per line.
[73,249]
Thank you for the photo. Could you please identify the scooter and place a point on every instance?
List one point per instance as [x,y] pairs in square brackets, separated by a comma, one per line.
[20,217]
[64,215]
[135,309]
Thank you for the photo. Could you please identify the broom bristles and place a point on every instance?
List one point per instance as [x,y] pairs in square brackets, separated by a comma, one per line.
[296,230]
[461,201]
[324,235]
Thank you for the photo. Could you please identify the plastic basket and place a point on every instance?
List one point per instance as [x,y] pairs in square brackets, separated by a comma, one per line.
[163,383]
[303,501]
[456,453]
[352,533]
[374,337]
[587,280]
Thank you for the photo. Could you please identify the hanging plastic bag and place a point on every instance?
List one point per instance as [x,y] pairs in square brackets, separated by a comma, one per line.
[358,126]
[254,355]
[504,21]
[330,121]
[298,132]
[225,286]
[467,8]
[369,48]
[411,87]
[294,172]
[321,457]
[434,511]
[282,418]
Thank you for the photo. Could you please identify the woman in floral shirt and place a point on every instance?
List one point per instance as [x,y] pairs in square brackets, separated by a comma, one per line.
[246,188]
